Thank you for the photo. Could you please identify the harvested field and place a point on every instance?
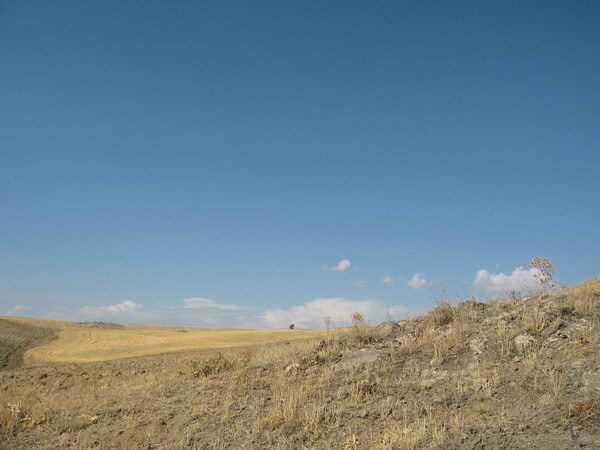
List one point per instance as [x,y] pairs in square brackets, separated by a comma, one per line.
[100,341]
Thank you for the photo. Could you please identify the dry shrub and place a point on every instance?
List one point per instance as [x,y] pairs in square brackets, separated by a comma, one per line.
[361,331]
[439,351]
[504,338]
[498,304]
[218,363]
[534,319]
[588,410]
[553,381]
[585,304]
[10,416]
[351,443]
[544,274]
[285,410]
[414,433]
[486,379]
[458,330]
[442,314]
[584,299]
[14,417]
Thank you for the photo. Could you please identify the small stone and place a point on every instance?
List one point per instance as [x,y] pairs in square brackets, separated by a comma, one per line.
[523,341]
[292,368]
[577,364]
[477,345]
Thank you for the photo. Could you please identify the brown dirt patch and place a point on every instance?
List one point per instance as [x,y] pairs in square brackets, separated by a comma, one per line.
[17,337]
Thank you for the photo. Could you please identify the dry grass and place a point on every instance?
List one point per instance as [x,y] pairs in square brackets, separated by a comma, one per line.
[427,386]
[586,410]
[361,331]
[534,319]
[442,314]
[584,297]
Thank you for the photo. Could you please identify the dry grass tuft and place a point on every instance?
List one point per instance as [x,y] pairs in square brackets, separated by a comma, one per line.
[442,314]
[219,363]
[534,319]
[361,331]
[584,411]
[14,417]
[583,298]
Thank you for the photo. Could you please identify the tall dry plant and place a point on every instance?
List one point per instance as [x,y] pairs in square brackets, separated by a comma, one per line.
[361,331]
[544,274]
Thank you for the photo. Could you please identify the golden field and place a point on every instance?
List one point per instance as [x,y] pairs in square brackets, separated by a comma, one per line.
[97,341]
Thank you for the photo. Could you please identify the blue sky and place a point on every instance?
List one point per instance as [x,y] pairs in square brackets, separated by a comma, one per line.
[263,163]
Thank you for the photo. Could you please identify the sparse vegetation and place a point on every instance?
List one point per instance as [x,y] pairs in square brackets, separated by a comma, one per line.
[544,274]
[361,331]
[218,363]
[509,373]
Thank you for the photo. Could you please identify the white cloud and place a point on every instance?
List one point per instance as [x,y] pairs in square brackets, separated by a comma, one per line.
[194,311]
[312,314]
[417,281]
[519,280]
[342,265]
[126,311]
[124,307]
[19,310]
[200,311]
[201,302]
[359,284]
[388,280]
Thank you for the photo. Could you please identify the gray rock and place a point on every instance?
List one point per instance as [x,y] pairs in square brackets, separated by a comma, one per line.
[523,341]
[356,358]
[477,345]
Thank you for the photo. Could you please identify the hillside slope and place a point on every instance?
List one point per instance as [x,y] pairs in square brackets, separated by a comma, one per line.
[17,337]
[514,373]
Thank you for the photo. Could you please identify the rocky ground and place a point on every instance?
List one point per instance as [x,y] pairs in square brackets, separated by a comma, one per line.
[513,373]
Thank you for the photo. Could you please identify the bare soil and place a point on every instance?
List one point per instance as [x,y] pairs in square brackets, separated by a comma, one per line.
[514,373]
[16,338]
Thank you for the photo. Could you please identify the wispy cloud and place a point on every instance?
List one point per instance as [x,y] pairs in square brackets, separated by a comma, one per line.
[339,310]
[194,311]
[520,279]
[19,310]
[417,281]
[200,311]
[201,302]
[360,284]
[342,265]
[388,280]
[126,311]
